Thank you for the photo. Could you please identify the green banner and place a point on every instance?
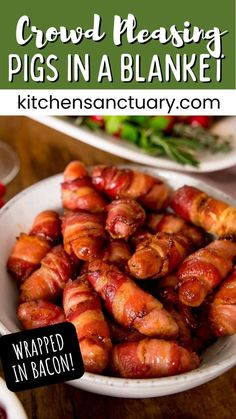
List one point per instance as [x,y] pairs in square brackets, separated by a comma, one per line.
[133,44]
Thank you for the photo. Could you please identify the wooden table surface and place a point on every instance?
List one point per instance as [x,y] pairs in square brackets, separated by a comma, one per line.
[44,152]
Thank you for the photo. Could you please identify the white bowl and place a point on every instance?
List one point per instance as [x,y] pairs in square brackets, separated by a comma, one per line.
[10,403]
[18,214]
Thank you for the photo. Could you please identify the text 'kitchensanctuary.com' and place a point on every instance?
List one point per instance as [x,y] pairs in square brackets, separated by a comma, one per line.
[118,102]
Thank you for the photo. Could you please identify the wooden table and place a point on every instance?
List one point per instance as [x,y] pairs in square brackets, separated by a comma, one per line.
[44,152]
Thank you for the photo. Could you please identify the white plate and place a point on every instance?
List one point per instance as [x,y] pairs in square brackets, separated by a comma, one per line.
[10,403]
[208,162]
[18,214]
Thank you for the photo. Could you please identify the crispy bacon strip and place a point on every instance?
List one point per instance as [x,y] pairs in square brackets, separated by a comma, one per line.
[83,235]
[33,314]
[150,192]
[203,270]
[213,215]
[48,281]
[130,306]
[223,308]
[151,358]
[83,308]
[78,192]
[124,217]
[172,224]
[158,255]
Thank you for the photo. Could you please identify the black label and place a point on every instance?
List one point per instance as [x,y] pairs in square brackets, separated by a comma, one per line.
[40,357]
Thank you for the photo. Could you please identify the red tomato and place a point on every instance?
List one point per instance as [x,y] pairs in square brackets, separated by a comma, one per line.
[98,119]
[1,202]
[118,133]
[2,189]
[204,120]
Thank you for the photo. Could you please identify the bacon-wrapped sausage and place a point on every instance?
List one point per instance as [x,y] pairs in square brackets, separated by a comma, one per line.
[150,192]
[26,256]
[150,358]
[78,192]
[83,308]
[30,249]
[33,314]
[83,235]
[47,225]
[223,308]
[159,255]
[130,306]
[124,217]
[48,281]
[117,252]
[203,270]
[74,170]
[213,215]
[172,224]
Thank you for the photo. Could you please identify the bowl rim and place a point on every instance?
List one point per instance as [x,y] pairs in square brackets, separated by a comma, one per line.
[11,403]
[188,377]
